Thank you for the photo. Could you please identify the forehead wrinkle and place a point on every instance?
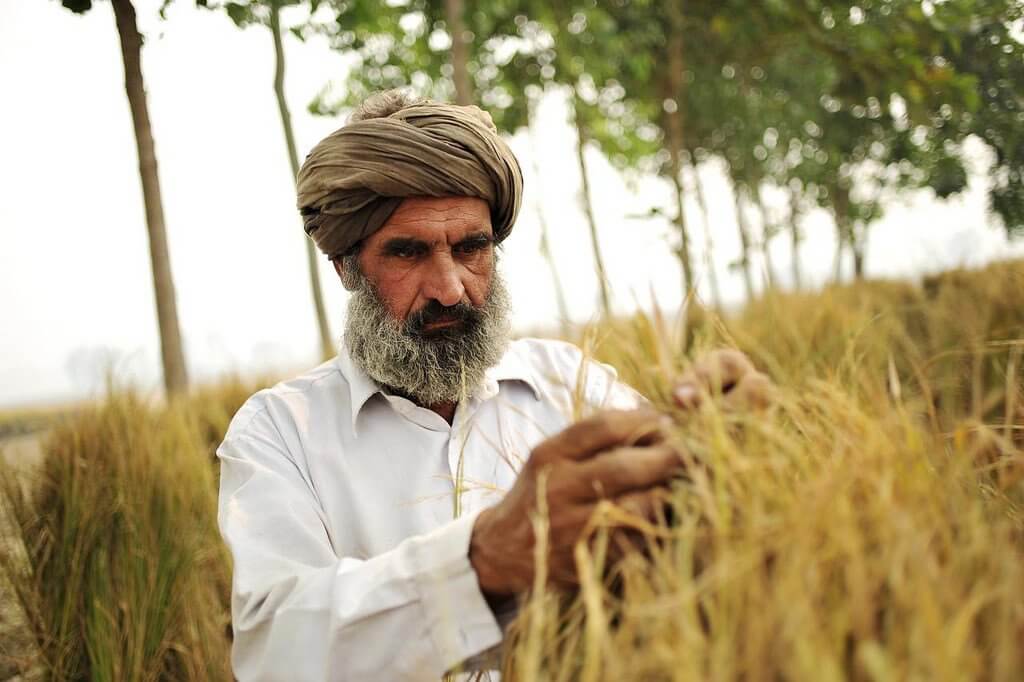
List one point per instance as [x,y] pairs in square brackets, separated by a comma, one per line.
[451,231]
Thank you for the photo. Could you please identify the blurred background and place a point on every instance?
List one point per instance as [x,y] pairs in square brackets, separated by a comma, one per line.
[714,147]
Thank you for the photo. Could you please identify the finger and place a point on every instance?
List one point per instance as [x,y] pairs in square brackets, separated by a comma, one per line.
[688,393]
[754,392]
[717,372]
[643,503]
[624,470]
[570,523]
[601,432]
[623,536]
[723,369]
[649,505]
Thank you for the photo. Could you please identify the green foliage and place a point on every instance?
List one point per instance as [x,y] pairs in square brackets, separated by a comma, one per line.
[844,103]
[257,12]
[990,53]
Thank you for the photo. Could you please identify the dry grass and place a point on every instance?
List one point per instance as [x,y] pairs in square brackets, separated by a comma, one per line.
[870,527]
[114,557]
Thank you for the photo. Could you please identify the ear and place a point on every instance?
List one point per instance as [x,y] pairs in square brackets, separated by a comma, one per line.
[343,274]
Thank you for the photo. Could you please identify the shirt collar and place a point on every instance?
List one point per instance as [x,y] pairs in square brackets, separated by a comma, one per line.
[512,367]
[361,387]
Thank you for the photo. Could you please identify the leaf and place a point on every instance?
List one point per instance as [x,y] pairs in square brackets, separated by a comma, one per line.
[915,92]
[240,14]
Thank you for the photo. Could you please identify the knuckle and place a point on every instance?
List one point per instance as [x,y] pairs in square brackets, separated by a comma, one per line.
[561,485]
[622,468]
[620,426]
[733,362]
[757,379]
[603,425]
[670,455]
[539,456]
[595,429]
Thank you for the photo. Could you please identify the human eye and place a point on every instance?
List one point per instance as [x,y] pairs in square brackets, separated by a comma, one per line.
[472,245]
[406,250]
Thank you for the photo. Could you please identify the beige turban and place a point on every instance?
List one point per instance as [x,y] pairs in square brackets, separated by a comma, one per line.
[352,181]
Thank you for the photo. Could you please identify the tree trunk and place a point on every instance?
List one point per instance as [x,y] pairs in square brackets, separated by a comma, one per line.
[675,124]
[172,354]
[858,247]
[744,228]
[698,184]
[837,263]
[545,245]
[795,237]
[844,238]
[545,251]
[767,232]
[588,211]
[689,281]
[454,16]
[326,345]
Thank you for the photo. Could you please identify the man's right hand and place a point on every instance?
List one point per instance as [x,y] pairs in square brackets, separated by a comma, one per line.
[619,456]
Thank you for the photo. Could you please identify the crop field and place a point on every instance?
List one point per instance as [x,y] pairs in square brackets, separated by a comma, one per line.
[870,526]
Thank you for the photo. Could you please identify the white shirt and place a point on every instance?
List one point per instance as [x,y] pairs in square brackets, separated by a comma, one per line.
[348,513]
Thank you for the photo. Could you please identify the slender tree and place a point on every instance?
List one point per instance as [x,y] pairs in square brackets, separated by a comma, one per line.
[545,244]
[709,245]
[454,10]
[268,13]
[586,203]
[675,127]
[744,263]
[326,344]
[795,212]
[171,350]
[768,230]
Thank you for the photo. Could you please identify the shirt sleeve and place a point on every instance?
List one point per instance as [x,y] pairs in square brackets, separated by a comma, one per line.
[300,612]
[604,391]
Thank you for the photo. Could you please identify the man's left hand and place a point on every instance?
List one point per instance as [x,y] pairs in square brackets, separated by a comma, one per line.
[727,376]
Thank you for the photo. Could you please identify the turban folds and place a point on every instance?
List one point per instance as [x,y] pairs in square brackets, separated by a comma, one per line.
[355,178]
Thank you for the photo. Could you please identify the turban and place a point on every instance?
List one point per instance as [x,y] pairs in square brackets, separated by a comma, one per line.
[356,177]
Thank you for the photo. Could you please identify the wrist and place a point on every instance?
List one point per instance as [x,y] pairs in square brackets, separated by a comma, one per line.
[493,585]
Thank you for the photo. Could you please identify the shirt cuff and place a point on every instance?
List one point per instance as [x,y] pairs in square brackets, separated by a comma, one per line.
[459,620]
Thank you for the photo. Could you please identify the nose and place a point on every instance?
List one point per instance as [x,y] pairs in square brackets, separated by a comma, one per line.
[444,284]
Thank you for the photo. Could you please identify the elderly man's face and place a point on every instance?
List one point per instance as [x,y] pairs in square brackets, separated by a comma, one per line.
[431,249]
[428,313]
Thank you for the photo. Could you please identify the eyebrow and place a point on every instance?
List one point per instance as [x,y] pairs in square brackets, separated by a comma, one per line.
[476,238]
[399,243]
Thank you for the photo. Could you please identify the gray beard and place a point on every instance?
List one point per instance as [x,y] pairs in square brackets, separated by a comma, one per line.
[429,368]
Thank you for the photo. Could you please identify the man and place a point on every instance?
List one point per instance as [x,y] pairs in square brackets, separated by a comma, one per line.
[378,508]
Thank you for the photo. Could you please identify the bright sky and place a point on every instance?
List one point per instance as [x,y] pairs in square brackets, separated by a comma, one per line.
[75,284]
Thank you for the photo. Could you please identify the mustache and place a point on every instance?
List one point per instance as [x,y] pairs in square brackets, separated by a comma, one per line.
[462,313]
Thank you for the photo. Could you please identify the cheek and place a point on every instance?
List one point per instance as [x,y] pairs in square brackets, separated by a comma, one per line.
[398,293]
[477,281]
